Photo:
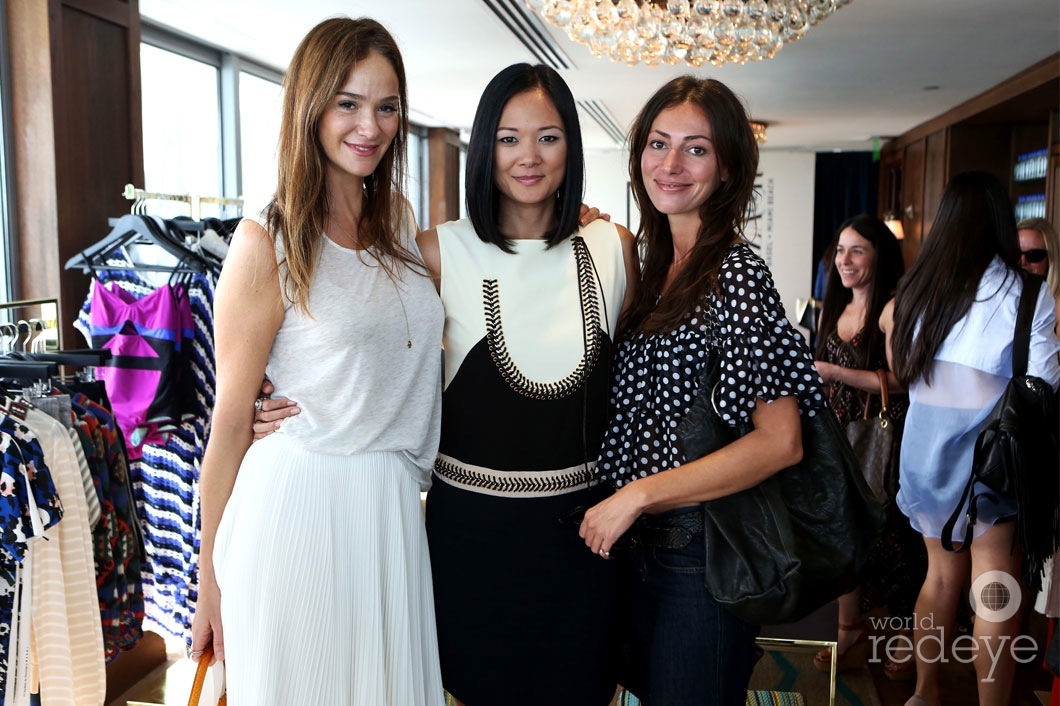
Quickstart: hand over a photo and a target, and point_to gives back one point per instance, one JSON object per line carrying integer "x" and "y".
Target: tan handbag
{"x": 200, "y": 678}
{"x": 874, "y": 440}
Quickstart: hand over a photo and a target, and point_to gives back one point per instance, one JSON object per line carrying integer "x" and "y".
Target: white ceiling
{"x": 860, "y": 74}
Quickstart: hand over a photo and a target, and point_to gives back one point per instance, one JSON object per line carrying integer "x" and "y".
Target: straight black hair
{"x": 975, "y": 224}
{"x": 483, "y": 201}
{"x": 886, "y": 271}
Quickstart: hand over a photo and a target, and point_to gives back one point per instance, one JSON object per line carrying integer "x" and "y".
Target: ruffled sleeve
{"x": 761, "y": 353}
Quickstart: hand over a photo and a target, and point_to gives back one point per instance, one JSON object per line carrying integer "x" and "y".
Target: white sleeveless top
{"x": 348, "y": 364}
{"x": 532, "y": 285}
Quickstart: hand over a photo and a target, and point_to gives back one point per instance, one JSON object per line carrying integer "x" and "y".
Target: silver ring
{"x": 257, "y": 404}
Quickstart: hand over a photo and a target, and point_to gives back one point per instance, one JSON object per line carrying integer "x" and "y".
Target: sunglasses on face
{"x": 1035, "y": 255}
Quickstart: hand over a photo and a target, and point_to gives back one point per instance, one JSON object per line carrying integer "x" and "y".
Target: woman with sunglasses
{"x": 1039, "y": 248}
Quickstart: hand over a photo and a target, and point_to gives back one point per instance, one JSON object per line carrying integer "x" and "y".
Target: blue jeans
{"x": 686, "y": 650}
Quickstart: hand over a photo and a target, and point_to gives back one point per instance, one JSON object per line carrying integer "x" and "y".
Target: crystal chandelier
{"x": 651, "y": 32}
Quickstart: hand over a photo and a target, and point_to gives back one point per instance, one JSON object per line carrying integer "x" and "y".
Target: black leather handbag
{"x": 1017, "y": 454}
{"x": 796, "y": 541}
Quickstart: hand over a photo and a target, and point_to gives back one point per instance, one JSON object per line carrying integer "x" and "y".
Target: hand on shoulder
{"x": 427, "y": 242}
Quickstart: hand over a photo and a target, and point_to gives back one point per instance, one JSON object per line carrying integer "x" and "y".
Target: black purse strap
{"x": 1021, "y": 339}
{"x": 1021, "y": 344}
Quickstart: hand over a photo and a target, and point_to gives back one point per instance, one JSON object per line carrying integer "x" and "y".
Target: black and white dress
{"x": 523, "y": 607}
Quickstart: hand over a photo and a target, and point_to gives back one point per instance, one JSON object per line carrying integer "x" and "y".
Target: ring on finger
{"x": 257, "y": 404}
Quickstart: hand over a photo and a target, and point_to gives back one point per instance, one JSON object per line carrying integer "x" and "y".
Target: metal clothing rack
{"x": 39, "y": 323}
{"x": 194, "y": 201}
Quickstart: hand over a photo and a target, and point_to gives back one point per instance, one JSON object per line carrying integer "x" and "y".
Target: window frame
{"x": 8, "y": 224}
{"x": 229, "y": 65}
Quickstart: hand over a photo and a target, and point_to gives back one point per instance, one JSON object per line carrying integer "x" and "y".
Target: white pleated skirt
{"x": 325, "y": 581}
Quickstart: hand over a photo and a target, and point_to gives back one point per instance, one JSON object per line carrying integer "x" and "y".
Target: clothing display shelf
{"x": 194, "y": 201}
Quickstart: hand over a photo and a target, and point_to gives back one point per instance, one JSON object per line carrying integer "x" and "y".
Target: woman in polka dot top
{"x": 693, "y": 161}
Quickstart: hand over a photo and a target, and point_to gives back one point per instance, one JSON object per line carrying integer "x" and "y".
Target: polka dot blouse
{"x": 656, "y": 377}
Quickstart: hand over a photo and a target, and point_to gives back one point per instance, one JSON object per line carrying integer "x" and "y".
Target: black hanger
{"x": 81, "y": 357}
{"x": 132, "y": 229}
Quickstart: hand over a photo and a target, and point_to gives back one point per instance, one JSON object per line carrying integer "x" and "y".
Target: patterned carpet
{"x": 785, "y": 676}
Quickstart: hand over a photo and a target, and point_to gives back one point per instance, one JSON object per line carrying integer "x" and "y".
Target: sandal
{"x": 854, "y": 656}
{"x": 900, "y": 671}
{"x": 916, "y": 700}
{"x": 896, "y": 668}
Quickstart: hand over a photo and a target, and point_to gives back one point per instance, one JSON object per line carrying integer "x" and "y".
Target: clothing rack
{"x": 43, "y": 328}
{"x": 194, "y": 201}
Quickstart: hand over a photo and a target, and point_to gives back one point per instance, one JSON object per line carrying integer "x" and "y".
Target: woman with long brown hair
{"x": 703, "y": 292}
{"x": 315, "y": 583}
{"x": 867, "y": 264}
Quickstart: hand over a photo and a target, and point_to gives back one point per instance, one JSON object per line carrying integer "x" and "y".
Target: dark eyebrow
{"x": 540, "y": 129}
{"x": 690, "y": 137}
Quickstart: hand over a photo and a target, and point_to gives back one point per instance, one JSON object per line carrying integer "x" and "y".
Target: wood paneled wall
{"x": 985, "y": 133}
{"x": 443, "y": 154}
{"x": 77, "y": 134}
{"x": 77, "y": 121}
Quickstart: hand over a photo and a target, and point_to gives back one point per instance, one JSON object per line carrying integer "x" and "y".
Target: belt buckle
{"x": 680, "y": 537}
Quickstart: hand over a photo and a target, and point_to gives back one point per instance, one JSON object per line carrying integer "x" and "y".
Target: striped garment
{"x": 67, "y": 656}
{"x": 166, "y": 477}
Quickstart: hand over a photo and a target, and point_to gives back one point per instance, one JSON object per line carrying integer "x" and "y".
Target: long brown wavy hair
{"x": 722, "y": 216}
{"x": 300, "y": 207}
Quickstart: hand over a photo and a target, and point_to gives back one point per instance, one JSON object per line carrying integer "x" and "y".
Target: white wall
{"x": 606, "y": 176}
{"x": 782, "y": 235}
{"x": 784, "y": 232}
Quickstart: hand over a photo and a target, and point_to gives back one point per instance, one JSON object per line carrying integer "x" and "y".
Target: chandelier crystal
{"x": 653, "y": 32}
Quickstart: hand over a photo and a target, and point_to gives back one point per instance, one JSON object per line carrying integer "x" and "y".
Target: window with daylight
{"x": 181, "y": 126}
{"x": 259, "y": 133}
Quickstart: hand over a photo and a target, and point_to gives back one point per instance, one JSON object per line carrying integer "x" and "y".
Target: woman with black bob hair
{"x": 950, "y": 344}
{"x": 525, "y": 614}
{"x": 483, "y": 201}
{"x": 704, "y": 296}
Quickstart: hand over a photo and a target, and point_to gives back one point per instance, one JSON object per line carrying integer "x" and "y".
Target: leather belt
{"x": 668, "y": 531}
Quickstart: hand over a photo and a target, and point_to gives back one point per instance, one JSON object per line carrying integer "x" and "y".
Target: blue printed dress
{"x": 29, "y": 505}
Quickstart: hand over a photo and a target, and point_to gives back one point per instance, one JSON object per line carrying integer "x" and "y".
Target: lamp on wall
{"x": 894, "y": 222}
{"x": 759, "y": 129}
{"x": 892, "y": 217}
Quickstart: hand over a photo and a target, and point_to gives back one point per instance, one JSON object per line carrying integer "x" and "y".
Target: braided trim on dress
{"x": 593, "y": 334}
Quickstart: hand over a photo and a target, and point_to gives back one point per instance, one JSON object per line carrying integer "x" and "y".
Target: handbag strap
{"x": 885, "y": 399}
{"x": 1021, "y": 339}
{"x": 973, "y": 514}
{"x": 200, "y": 675}
{"x": 1021, "y": 343}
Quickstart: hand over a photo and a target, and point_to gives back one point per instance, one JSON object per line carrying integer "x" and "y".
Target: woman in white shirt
{"x": 950, "y": 343}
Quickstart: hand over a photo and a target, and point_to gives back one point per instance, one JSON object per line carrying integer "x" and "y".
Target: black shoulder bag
{"x": 1016, "y": 454}
{"x": 796, "y": 541}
